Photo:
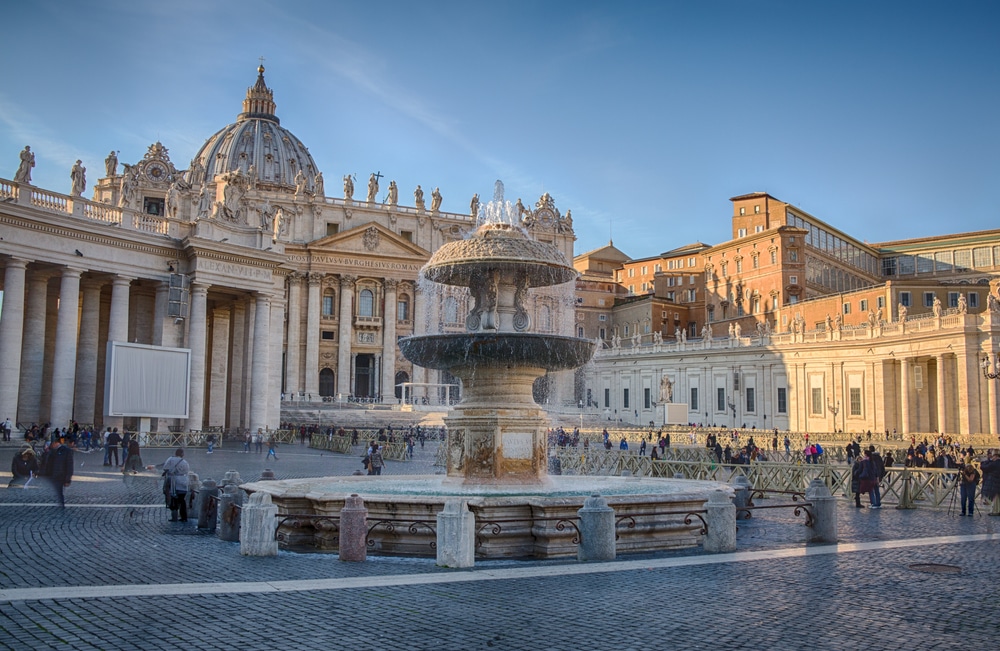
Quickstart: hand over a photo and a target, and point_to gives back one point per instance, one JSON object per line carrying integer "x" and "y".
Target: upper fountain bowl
{"x": 501, "y": 247}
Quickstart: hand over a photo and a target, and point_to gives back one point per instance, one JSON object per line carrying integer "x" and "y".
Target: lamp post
{"x": 834, "y": 409}
{"x": 985, "y": 364}
{"x": 732, "y": 408}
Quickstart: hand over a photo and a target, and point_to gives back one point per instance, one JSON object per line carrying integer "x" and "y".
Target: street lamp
{"x": 985, "y": 364}
{"x": 834, "y": 409}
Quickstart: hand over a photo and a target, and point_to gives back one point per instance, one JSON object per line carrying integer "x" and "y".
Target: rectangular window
{"x": 782, "y": 400}
{"x": 326, "y": 335}
{"x": 604, "y": 333}
{"x": 855, "y": 401}
{"x": 774, "y": 257}
{"x": 963, "y": 260}
{"x": 981, "y": 257}
{"x": 973, "y": 299}
{"x": 904, "y": 299}
{"x": 928, "y": 299}
{"x": 756, "y": 262}
{"x": 693, "y": 402}
{"x": 720, "y": 399}
{"x": 646, "y": 398}
{"x": 847, "y": 308}
{"x": 658, "y": 268}
{"x": 880, "y": 301}
{"x": 793, "y": 280}
{"x": 644, "y": 267}
{"x": 670, "y": 296}
{"x": 690, "y": 262}
{"x": 751, "y": 403}
{"x": 756, "y": 209}
{"x": 759, "y": 229}
{"x": 631, "y": 272}
{"x": 711, "y": 314}
{"x": 579, "y": 332}
{"x": 739, "y": 266}
{"x": 863, "y": 305}
{"x": 742, "y": 232}
{"x": 406, "y": 235}
{"x": 607, "y": 398}
{"x": 953, "y": 299}
{"x": 625, "y": 398}
{"x": 692, "y": 296}
{"x": 602, "y": 317}
{"x": 332, "y": 229}
{"x": 817, "y": 402}
{"x": 327, "y": 305}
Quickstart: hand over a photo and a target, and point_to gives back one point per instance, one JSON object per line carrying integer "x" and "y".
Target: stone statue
{"x": 871, "y": 318}
{"x": 418, "y": 198}
{"x": 474, "y": 206}
{"x": 78, "y": 175}
{"x": 732, "y": 331}
{"x": 936, "y": 307}
{"x": 760, "y": 328}
{"x": 372, "y": 188}
{"x": 902, "y": 312}
{"x": 126, "y": 189}
{"x": 568, "y": 219}
{"x": 520, "y": 209}
{"x": 348, "y": 187}
{"x": 838, "y": 322}
{"x": 657, "y": 337}
{"x": 684, "y": 336}
{"x": 204, "y": 203}
{"x": 393, "y": 198}
{"x": 666, "y": 390}
{"x": 300, "y": 183}
{"x": 991, "y": 303}
{"x": 737, "y": 330}
{"x": 878, "y": 316}
{"x": 173, "y": 199}
{"x": 111, "y": 164}
{"x": 23, "y": 174}
{"x": 963, "y": 304}
{"x": 435, "y": 200}
{"x": 318, "y": 188}
{"x": 829, "y": 323}
{"x": 196, "y": 171}
{"x": 636, "y": 340}
{"x": 706, "y": 331}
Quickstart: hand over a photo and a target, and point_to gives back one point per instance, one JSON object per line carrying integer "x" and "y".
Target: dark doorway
{"x": 364, "y": 376}
{"x": 327, "y": 383}
{"x": 401, "y": 376}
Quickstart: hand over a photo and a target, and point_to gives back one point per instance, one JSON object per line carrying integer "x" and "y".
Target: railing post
{"x": 206, "y": 504}
{"x": 230, "y": 504}
{"x": 353, "y": 530}
{"x": 906, "y": 492}
{"x": 456, "y": 535}
{"x": 257, "y": 530}
{"x": 741, "y": 496}
{"x": 824, "y": 510}
{"x": 597, "y": 530}
{"x": 720, "y": 522}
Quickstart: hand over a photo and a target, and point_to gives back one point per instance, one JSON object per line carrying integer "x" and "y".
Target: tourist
{"x": 272, "y": 444}
{"x": 111, "y": 444}
{"x": 869, "y": 481}
{"x": 175, "y": 484}
{"x": 133, "y": 460}
{"x": 210, "y": 439}
{"x": 258, "y": 440}
{"x": 788, "y": 445}
{"x": 247, "y": 440}
{"x": 23, "y": 467}
{"x": 967, "y": 487}
{"x": 856, "y": 482}
{"x": 58, "y": 467}
{"x": 879, "y": 468}
{"x": 375, "y": 460}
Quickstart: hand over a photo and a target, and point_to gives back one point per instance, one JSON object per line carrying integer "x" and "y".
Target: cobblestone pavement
{"x": 151, "y": 584}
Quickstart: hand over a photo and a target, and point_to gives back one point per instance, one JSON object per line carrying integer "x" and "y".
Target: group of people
{"x": 55, "y": 466}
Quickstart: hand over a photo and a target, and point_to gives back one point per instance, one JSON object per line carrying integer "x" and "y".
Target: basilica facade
{"x": 281, "y": 292}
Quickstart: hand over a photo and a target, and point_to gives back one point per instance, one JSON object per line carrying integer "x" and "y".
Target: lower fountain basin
{"x": 448, "y": 351}
{"x": 512, "y": 521}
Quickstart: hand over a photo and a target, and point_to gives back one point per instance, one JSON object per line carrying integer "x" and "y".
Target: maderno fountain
{"x": 497, "y": 454}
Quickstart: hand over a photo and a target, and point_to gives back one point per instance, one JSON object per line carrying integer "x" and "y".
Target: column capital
{"x": 390, "y": 283}
{"x": 315, "y": 278}
{"x": 347, "y": 281}
{"x": 199, "y": 288}
{"x": 14, "y": 262}
{"x": 73, "y": 271}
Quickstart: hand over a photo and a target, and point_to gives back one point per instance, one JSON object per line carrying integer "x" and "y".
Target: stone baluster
{"x": 597, "y": 530}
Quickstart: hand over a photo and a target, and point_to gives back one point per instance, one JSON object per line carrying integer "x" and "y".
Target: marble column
{"x": 29, "y": 397}
{"x": 236, "y": 363}
{"x": 160, "y": 304}
{"x": 993, "y": 410}
{"x": 389, "y": 342}
{"x": 11, "y": 331}
{"x": 86, "y": 359}
{"x": 904, "y": 388}
{"x": 275, "y": 341}
{"x": 121, "y": 288}
{"x": 419, "y": 328}
{"x": 64, "y": 360}
{"x": 346, "y": 317}
{"x": 218, "y": 373}
{"x": 312, "y": 335}
{"x": 293, "y": 341}
{"x": 196, "y": 342}
{"x": 942, "y": 403}
{"x": 261, "y": 362}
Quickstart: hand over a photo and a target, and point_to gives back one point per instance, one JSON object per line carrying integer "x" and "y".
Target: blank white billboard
{"x": 147, "y": 381}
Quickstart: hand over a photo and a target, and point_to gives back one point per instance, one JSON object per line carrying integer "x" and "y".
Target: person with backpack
{"x": 375, "y": 461}
{"x": 175, "y": 484}
{"x": 967, "y": 487}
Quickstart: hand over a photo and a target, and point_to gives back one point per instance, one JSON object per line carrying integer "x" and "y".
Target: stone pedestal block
{"x": 257, "y": 527}
{"x": 230, "y": 504}
{"x": 824, "y": 506}
{"x": 194, "y": 486}
{"x": 741, "y": 496}
{"x": 456, "y": 535}
{"x": 231, "y": 478}
{"x": 267, "y": 475}
{"x": 597, "y": 530}
{"x": 207, "y": 506}
{"x": 721, "y": 521}
{"x": 353, "y": 529}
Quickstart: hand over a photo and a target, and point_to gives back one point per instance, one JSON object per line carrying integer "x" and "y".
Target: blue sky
{"x": 643, "y": 118}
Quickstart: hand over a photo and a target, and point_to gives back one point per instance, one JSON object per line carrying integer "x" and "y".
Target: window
{"x": 631, "y": 272}
{"x": 406, "y": 235}
{"x": 332, "y": 229}
{"x": 693, "y": 402}
{"x": 670, "y": 296}
{"x": 756, "y": 209}
{"x": 646, "y": 398}
{"x": 631, "y": 289}
{"x": 758, "y": 229}
{"x": 403, "y": 308}
{"x": 793, "y": 280}
{"x": 742, "y": 232}
{"x": 880, "y": 301}
{"x": 817, "y": 402}
{"x": 863, "y": 305}
{"x": 847, "y": 308}
{"x": 690, "y": 280}
{"x": 855, "y": 395}
{"x": 928, "y": 299}
{"x": 981, "y": 257}
{"x": 607, "y": 398}
{"x": 600, "y": 302}
{"x": 658, "y": 268}
{"x": 692, "y": 296}
{"x": 671, "y": 281}
{"x": 953, "y": 299}
{"x": 720, "y": 399}
{"x": 326, "y": 335}
{"x": 328, "y": 301}
{"x": 366, "y": 303}
{"x": 603, "y": 333}
{"x": 782, "y": 400}
{"x": 774, "y": 256}
{"x": 756, "y": 262}
{"x": 579, "y": 332}
{"x": 602, "y": 317}
{"x": 751, "y": 403}
{"x": 690, "y": 262}
{"x": 627, "y": 330}
{"x": 973, "y": 299}
{"x": 644, "y": 270}
{"x": 725, "y": 269}
{"x": 904, "y": 299}
{"x": 711, "y": 314}
{"x": 625, "y": 398}
{"x": 743, "y": 211}
{"x": 739, "y": 266}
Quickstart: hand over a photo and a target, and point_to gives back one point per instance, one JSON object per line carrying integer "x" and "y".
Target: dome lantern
{"x": 259, "y": 102}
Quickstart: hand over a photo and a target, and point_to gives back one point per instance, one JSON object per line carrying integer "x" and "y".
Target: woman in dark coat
{"x": 991, "y": 476}
{"x": 22, "y": 467}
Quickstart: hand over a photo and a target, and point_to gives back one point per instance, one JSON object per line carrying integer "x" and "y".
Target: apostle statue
{"x": 111, "y": 164}
{"x": 393, "y": 197}
{"x": 474, "y": 206}
{"x": 348, "y": 187}
{"x": 23, "y": 174}
{"x": 418, "y": 198}
{"x": 318, "y": 188}
{"x": 436, "y": 200}
{"x": 78, "y": 175}
{"x": 372, "y": 188}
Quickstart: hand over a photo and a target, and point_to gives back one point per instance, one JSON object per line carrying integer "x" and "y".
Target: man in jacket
{"x": 59, "y": 468}
{"x": 175, "y": 484}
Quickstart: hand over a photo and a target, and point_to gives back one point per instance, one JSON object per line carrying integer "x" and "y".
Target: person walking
{"x": 869, "y": 481}
{"x": 375, "y": 461}
{"x": 58, "y": 467}
{"x": 175, "y": 484}
{"x": 133, "y": 460}
{"x": 111, "y": 444}
{"x": 969, "y": 480}
{"x": 258, "y": 441}
{"x": 271, "y": 446}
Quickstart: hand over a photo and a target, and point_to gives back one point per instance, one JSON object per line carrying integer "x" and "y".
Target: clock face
{"x": 156, "y": 171}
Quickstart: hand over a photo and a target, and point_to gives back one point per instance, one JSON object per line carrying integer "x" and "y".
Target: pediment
{"x": 369, "y": 239}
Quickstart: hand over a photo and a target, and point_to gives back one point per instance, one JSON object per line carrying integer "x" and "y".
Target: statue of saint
{"x": 418, "y": 198}
{"x": 393, "y": 197}
{"x": 23, "y": 174}
{"x": 474, "y": 206}
{"x": 902, "y": 312}
{"x": 300, "y": 183}
{"x": 829, "y": 323}
{"x": 111, "y": 164}
{"x": 372, "y": 188}
{"x": 204, "y": 202}
{"x": 435, "y": 200}
{"x": 348, "y": 187}
{"x": 963, "y": 304}
{"x": 706, "y": 331}
{"x": 318, "y": 188}
{"x": 666, "y": 390}
{"x": 78, "y": 175}
{"x": 173, "y": 199}
{"x": 737, "y": 330}
{"x": 936, "y": 306}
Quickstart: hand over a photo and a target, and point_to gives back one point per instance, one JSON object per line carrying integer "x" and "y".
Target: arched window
{"x": 366, "y": 303}
{"x": 329, "y": 300}
{"x": 451, "y": 310}
{"x": 403, "y": 308}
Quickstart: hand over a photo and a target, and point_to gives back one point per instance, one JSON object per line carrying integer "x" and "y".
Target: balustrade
{"x": 8, "y": 191}
{"x": 102, "y": 213}
{"x": 49, "y": 200}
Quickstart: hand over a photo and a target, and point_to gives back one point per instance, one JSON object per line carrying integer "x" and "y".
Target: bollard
{"x": 720, "y": 522}
{"x": 267, "y": 475}
{"x": 229, "y": 513}
{"x": 232, "y": 477}
{"x": 906, "y": 494}
{"x": 194, "y": 486}
{"x": 257, "y": 527}
{"x": 597, "y": 530}
{"x": 456, "y": 535}
{"x": 741, "y": 496}
{"x": 353, "y": 530}
{"x": 824, "y": 509}
{"x": 207, "y": 506}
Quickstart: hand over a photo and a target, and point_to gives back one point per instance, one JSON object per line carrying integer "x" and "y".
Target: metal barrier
{"x": 799, "y": 507}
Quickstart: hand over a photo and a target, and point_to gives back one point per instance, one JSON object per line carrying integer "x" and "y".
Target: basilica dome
{"x": 258, "y": 141}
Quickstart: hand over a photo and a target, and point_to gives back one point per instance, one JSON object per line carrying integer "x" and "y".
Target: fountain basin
{"x": 480, "y": 350}
{"x": 512, "y": 521}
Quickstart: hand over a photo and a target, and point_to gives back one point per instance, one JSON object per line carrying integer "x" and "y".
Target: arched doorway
{"x": 327, "y": 383}
{"x": 401, "y": 377}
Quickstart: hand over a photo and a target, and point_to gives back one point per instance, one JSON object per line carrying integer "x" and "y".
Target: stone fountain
{"x": 497, "y": 448}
